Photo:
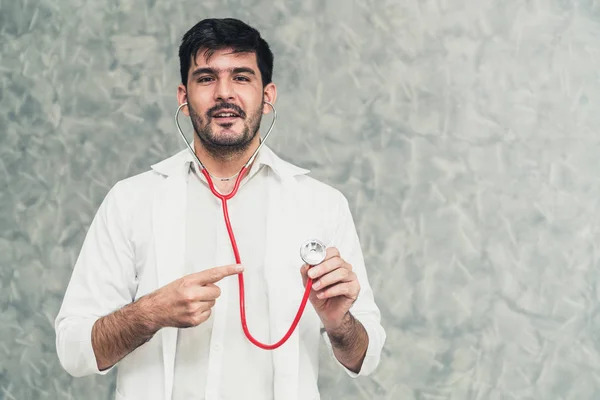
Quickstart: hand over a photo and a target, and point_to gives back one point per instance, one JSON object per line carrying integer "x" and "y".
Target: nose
{"x": 224, "y": 90}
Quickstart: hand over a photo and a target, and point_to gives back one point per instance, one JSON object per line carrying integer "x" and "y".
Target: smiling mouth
{"x": 225, "y": 115}
{"x": 226, "y": 119}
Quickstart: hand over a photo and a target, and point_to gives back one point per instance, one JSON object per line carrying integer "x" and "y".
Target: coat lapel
{"x": 168, "y": 213}
{"x": 284, "y": 284}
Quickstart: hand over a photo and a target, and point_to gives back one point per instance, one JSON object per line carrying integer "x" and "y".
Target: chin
{"x": 228, "y": 133}
{"x": 228, "y": 137}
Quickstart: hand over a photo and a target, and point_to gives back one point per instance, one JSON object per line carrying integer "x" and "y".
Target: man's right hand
{"x": 188, "y": 301}
{"x": 182, "y": 303}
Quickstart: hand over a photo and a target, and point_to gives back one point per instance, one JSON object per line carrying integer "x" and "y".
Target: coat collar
{"x": 266, "y": 156}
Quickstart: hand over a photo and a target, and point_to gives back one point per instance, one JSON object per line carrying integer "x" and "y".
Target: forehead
{"x": 224, "y": 58}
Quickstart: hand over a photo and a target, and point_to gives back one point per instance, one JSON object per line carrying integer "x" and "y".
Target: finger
{"x": 326, "y": 267}
{"x": 205, "y": 305}
{"x": 304, "y": 270}
{"x": 336, "y": 276}
{"x": 200, "y": 307}
{"x": 346, "y": 289}
{"x": 210, "y": 291}
{"x": 191, "y": 293}
{"x": 331, "y": 252}
{"x": 214, "y": 275}
{"x": 206, "y": 292}
{"x": 201, "y": 317}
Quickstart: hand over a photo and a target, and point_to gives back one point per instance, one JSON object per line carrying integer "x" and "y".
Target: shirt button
{"x": 217, "y": 347}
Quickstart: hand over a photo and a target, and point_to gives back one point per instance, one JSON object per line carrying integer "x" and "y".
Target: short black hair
{"x": 215, "y": 34}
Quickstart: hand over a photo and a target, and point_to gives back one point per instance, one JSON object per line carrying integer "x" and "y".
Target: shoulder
{"x": 130, "y": 196}
{"x": 319, "y": 197}
{"x": 138, "y": 184}
{"x": 306, "y": 188}
{"x": 141, "y": 183}
{"x": 140, "y": 188}
{"x": 316, "y": 188}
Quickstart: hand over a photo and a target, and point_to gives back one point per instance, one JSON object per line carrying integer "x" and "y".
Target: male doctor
{"x": 154, "y": 289}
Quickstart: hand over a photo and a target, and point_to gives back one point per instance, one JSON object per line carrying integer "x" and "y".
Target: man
{"x": 154, "y": 290}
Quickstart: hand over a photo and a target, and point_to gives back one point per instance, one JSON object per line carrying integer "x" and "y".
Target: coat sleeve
{"x": 103, "y": 281}
{"x": 364, "y": 309}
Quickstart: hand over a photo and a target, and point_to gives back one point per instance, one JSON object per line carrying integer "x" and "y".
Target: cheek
{"x": 250, "y": 98}
{"x": 200, "y": 100}
{"x": 199, "y": 110}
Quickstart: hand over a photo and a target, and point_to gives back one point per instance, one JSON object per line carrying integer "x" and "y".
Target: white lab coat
{"x": 136, "y": 244}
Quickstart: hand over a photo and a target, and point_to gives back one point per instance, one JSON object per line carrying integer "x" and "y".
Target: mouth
{"x": 226, "y": 116}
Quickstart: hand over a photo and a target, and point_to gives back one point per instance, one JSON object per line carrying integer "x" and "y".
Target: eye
{"x": 242, "y": 78}
{"x": 205, "y": 79}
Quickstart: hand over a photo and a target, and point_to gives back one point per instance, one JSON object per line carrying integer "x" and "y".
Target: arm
{"x": 103, "y": 280}
{"x": 183, "y": 303}
{"x": 343, "y": 299}
{"x": 335, "y": 289}
{"x": 349, "y": 343}
{"x": 98, "y": 323}
{"x": 118, "y": 334}
{"x": 364, "y": 310}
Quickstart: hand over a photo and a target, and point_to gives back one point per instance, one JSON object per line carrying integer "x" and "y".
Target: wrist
{"x": 339, "y": 327}
{"x": 147, "y": 307}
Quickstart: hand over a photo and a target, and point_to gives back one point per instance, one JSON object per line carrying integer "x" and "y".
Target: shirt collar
{"x": 266, "y": 156}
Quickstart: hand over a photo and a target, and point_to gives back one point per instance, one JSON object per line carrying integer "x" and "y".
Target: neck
{"x": 224, "y": 165}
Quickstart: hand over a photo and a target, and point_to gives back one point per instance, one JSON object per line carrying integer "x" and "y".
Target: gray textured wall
{"x": 464, "y": 133}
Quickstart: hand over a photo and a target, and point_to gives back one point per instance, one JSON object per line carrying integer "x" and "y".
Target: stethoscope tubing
{"x": 224, "y": 198}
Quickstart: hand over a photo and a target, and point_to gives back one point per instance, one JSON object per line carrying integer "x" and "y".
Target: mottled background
{"x": 463, "y": 132}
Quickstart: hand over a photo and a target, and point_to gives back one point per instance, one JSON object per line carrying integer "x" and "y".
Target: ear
{"x": 182, "y": 98}
{"x": 270, "y": 92}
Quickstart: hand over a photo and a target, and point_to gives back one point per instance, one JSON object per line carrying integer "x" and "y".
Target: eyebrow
{"x": 215, "y": 71}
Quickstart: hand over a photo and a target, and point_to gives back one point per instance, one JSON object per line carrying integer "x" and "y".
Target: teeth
{"x": 226, "y": 115}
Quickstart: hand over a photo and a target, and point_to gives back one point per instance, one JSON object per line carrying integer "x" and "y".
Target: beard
{"x": 221, "y": 144}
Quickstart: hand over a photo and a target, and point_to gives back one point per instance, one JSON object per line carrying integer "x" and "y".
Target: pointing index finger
{"x": 214, "y": 275}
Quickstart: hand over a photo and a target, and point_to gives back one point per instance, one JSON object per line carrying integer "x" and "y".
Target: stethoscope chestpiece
{"x": 313, "y": 252}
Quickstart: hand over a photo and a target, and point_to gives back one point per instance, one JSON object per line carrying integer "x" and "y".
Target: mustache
{"x": 225, "y": 106}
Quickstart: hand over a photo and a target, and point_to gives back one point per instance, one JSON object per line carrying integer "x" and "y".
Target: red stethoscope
{"x": 312, "y": 251}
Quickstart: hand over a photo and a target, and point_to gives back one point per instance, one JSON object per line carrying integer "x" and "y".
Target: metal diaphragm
{"x": 313, "y": 252}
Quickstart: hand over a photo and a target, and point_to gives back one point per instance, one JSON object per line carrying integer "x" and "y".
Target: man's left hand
{"x": 335, "y": 288}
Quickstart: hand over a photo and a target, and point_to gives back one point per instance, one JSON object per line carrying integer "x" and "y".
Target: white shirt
{"x": 136, "y": 244}
{"x": 226, "y": 374}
